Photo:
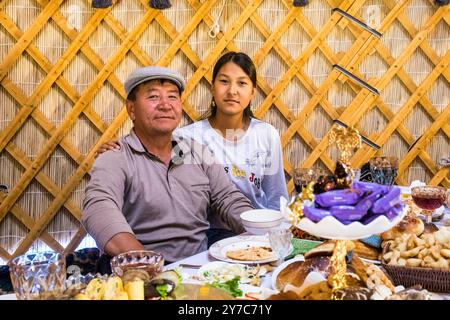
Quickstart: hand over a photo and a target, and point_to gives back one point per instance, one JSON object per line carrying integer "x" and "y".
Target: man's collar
{"x": 179, "y": 146}
{"x": 134, "y": 142}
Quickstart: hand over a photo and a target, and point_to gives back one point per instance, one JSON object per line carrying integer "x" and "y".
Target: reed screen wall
{"x": 62, "y": 65}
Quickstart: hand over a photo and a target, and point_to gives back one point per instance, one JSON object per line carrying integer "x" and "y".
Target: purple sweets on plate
{"x": 347, "y": 213}
{"x": 338, "y": 197}
{"x": 367, "y": 202}
{"x": 315, "y": 214}
{"x": 388, "y": 201}
{"x": 371, "y": 187}
{"x": 369, "y": 217}
{"x": 394, "y": 211}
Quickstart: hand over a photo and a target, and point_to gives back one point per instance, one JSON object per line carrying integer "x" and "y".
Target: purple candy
{"x": 347, "y": 213}
{"x": 367, "y": 202}
{"x": 368, "y": 218}
{"x": 388, "y": 201}
{"x": 338, "y": 197}
{"x": 394, "y": 211}
{"x": 315, "y": 214}
{"x": 371, "y": 187}
{"x": 346, "y": 222}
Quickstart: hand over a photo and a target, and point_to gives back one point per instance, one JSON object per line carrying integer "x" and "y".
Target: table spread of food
{"x": 337, "y": 238}
{"x": 406, "y": 258}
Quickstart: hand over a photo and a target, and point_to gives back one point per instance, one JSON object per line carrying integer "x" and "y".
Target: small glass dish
{"x": 150, "y": 261}
{"x": 38, "y": 276}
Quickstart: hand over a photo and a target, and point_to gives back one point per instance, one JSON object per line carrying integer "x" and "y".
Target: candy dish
{"x": 331, "y": 228}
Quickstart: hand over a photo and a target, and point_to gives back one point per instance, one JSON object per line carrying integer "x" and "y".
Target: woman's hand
{"x": 110, "y": 145}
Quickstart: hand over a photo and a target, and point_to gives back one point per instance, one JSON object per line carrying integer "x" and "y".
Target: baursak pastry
{"x": 409, "y": 225}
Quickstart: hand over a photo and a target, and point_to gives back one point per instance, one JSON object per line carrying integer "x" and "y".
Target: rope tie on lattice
{"x": 215, "y": 28}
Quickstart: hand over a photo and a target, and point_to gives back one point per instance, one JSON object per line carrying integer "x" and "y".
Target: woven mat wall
{"x": 62, "y": 64}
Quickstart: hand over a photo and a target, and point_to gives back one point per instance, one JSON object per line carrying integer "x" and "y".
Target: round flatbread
{"x": 251, "y": 254}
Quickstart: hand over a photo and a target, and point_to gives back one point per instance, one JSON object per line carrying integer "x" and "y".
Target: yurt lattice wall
{"x": 62, "y": 65}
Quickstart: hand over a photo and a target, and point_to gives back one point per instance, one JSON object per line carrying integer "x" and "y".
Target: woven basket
{"x": 436, "y": 280}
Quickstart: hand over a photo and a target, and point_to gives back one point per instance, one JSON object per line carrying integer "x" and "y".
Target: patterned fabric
{"x": 5, "y": 281}
{"x": 82, "y": 261}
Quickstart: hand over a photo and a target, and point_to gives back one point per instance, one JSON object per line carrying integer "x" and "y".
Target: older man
{"x": 156, "y": 191}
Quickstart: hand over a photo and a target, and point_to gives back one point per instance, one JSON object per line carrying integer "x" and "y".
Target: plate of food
{"x": 225, "y": 275}
{"x": 219, "y": 271}
{"x": 331, "y": 228}
{"x": 244, "y": 249}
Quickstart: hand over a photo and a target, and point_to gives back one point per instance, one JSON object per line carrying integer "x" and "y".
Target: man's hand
{"x": 110, "y": 145}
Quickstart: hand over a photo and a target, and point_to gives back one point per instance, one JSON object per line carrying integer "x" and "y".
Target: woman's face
{"x": 232, "y": 90}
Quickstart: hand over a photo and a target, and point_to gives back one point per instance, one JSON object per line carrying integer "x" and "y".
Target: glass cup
{"x": 303, "y": 176}
{"x": 384, "y": 170}
{"x": 356, "y": 174}
{"x": 280, "y": 241}
{"x": 38, "y": 276}
{"x": 150, "y": 261}
{"x": 429, "y": 198}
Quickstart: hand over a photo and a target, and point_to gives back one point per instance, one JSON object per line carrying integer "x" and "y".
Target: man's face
{"x": 157, "y": 108}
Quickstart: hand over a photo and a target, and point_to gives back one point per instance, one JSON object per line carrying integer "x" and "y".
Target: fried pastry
{"x": 408, "y": 225}
{"x": 251, "y": 254}
{"x": 365, "y": 251}
{"x": 370, "y": 273}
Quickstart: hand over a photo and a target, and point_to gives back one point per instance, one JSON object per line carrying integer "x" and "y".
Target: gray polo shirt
{"x": 166, "y": 208}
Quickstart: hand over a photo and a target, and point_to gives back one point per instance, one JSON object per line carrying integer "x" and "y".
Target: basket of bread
{"x": 413, "y": 257}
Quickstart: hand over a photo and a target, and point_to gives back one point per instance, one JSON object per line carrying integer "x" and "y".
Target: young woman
{"x": 249, "y": 149}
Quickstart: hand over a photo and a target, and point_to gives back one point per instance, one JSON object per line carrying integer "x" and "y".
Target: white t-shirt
{"x": 254, "y": 163}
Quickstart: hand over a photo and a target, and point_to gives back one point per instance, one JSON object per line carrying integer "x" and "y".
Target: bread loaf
{"x": 409, "y": 225}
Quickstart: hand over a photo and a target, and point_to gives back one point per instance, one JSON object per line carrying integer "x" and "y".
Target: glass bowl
{"x": 150, "y": 261}
{"x": 38, "y": 276}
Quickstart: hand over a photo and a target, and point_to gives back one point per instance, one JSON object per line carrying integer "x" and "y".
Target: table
{"x": 190, "y": 265}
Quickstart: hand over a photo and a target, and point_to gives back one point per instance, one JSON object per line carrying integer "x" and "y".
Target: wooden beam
{"x": 27, "y": 38}
{"x": 28, "y": 222}
{"x": 354, "y": 111}
{"x": 47, "y": 82}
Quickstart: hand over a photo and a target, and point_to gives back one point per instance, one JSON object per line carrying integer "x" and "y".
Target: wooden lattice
{"x": 59, "y": 104}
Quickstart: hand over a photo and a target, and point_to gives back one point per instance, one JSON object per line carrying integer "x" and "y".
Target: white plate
{"x": 219, "y": 249}
{"x": 245, "y": 287}
{"x": 10, "y": 296}
{"x": 227, "y": 271}
{"x": 331, "y": 228}
{"x": 282, "y": 266}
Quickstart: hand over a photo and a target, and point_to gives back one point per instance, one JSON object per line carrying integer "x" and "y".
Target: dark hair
{"x": 132, "y": 95}
{"x": 246, "y": 64}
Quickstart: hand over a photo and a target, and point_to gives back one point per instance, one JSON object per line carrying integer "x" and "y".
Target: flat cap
{"x": 144, "y": 74}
